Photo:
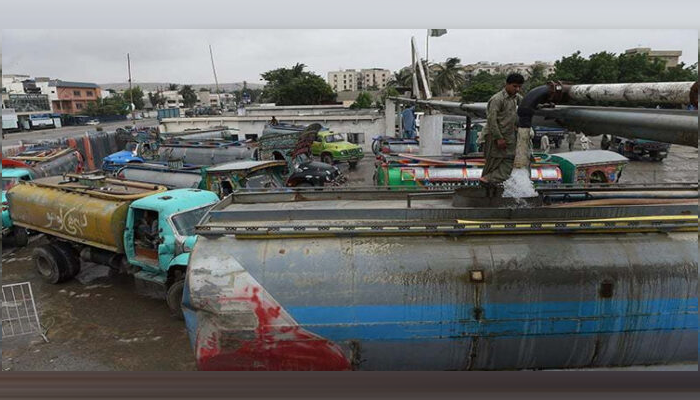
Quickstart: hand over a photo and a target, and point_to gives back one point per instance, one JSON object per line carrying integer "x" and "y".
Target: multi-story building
{"x": 73, "y": 97}
{"x": 364, "y": 79}
{"x": 373, "y": 78}
{"x": 670, "y": 57}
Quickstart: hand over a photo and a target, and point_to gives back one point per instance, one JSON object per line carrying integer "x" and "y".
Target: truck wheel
{"x": 21, "y": 236}
{"x": 174, "y": 298}
{"x": 327, "y": 158}
{"x": 49, "y": 264}
{"x": 353, "y": 164}
{"x": 70, "y": 258}
{"x": 557, "y": 144}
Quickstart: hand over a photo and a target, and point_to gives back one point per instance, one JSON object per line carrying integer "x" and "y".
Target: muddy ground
{"x": 102, "y": 324}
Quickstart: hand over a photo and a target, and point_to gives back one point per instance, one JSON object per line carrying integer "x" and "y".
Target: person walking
{"x": 571, "y": 138}
{"x": 501, "y": 131}
{"x": 585, "y": 142}
{"x": 544, "y": 144}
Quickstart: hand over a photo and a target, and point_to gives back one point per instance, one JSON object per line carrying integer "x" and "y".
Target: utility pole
{"x": 216, "y": 81}
{"x": 131, "y": 93}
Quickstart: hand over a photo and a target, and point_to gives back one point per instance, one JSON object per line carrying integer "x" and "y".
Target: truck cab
{"x": 332, "y": 147}
{"x": 10, "y": 178}
{"x": 159, "y": 234}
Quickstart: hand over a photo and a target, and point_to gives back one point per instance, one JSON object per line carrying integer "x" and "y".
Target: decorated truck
{"x": 132, "y": 227}
{"x": 292, "y": 144}
{"x": 635, "y": 148}
{"x": 592, "y": 166}
{"x": 409, "y": 171}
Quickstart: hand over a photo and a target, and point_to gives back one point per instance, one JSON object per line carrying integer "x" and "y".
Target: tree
{"x": 189, "y": 97}
{"x": 113, "y": 105}
{"x": 536, "y": 77}
{"x": 157, "y": 99}
{"x": 137, "y": 97}
{"x": 447, "y": 78}
{"x": 402, "y": 78}
{"x": 173, "y": 86}
{"x": 294, "y": 86}
{"x": 363, "y": 100}
{"x": 482, "y": 86}
{"x": 681, "y": 73}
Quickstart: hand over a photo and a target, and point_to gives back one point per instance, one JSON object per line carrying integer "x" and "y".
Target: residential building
{"x": 670, "y": 57}
{"x": 73, "y": 97}
{"x": 373, "y": 78}
{"x": 363, "y": 79}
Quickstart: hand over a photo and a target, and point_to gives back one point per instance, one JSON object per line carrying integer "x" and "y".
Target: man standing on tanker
{"x": 502, "y": 126}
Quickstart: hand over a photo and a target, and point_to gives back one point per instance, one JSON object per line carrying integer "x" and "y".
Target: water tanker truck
{"x": 135, "y": 228}
{"x": 337, "y": 279}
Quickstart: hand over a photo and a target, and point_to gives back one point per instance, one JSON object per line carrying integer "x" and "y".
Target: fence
{"x": 19, "y": 316}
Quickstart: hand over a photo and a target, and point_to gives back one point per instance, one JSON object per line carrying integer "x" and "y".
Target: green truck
{"x": 329, "y": 146}
{"x": 135, "y": 228}
{"x": 332, "y": 147}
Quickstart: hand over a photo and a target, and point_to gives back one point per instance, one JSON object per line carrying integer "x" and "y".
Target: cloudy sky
{"x": 182, "y": 56}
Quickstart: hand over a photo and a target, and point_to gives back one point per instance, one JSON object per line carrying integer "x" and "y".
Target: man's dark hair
{"x": 515, "y": 78}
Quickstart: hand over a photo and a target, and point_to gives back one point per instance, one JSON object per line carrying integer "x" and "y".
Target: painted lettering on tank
{"x": 66, "y": 221}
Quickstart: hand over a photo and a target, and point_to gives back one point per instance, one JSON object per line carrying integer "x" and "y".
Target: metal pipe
{"x": 653, "y": 92}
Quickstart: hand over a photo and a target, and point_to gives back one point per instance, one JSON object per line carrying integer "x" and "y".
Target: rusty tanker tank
{"x": 78, "y": 211}
{"x": 424, "y": 280}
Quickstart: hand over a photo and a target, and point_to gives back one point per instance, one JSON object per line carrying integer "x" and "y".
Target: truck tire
{"x": 327, "y": 158}
{"x": 174, "y": 298}
{"x": 49, "y": 263}
{"x": 353, "y": 164}
{"x": 557, "y": 143}
{"x": 21, "y": 236}
{"x": 70, "y": 258}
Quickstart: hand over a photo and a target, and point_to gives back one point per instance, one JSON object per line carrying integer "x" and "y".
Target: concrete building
{"x": 73, "y": 97}
{"x": 373, "y": 78}
{"x": 670, "y": 57}
{"x": 354, "y": 80}
{"x": 173, "y": 99}
{"x": 13, "y": 83}
{"x": 343, "y": 80}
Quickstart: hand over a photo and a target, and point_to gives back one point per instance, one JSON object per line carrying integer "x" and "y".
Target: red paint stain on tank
{"x": 277, "y": 345}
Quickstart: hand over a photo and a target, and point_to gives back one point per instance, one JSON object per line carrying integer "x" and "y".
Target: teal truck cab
{"x": 10, "y": 178}
{"x": 135, "y": 228}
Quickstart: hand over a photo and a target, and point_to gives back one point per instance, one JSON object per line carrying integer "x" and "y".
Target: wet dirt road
{"x": 106, "y": 325}
{"x": 99, "y": 325}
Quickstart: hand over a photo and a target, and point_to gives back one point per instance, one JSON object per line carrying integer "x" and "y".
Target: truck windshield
{"x": 7, "y": 183}
{"x": 334, "y": 138}
{"x": 185, "y": 222}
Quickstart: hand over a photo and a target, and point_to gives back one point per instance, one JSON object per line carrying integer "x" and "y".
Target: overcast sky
{"x": 182, "y": 56}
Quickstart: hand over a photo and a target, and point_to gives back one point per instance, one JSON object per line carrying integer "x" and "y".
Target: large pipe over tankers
{"x": 663, "y": 125}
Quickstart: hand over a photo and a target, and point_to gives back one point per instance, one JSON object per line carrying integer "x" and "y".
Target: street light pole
{"x": 131, "y": 92}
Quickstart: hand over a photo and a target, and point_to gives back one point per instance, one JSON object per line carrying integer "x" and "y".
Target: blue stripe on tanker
{"x": 402, "y": 322}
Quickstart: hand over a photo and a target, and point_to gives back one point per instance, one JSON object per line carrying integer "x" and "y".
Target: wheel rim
{"x": 44, "y": 266}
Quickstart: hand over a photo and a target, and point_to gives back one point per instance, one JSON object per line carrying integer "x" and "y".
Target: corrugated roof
{"x": 59, "y": 83}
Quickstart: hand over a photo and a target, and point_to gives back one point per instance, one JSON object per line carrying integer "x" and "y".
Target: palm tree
{"x": 401, "y": 78}
{"x": 448, "y": 77}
